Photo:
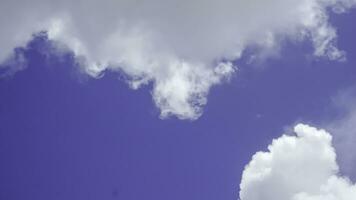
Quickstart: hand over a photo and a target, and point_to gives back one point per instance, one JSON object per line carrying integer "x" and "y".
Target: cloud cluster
{"x": 301, "y": 167}
{"x": 182, "y": 47}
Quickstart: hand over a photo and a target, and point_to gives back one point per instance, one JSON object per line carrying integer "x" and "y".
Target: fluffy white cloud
{"x": 301, "y": 167}
{"x": 178, "y": 45}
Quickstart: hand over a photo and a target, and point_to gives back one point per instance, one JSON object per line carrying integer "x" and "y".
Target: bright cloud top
{"x": 301, "y": 167}
{"x": 183, "y": 47}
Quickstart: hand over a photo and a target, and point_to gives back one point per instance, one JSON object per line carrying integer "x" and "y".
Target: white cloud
{"x": 301, "y": 167}
{"x": 176, "y": 44}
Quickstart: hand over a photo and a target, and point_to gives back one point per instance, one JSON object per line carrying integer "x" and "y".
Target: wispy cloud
{"x": 344, "y": 128}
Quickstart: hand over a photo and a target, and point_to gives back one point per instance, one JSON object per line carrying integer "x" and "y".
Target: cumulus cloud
{"x": 182, "y": 47}
{"x": 300, "y": 167}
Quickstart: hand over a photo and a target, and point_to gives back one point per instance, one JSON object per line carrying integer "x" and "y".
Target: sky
{"x": 104, "y": 100}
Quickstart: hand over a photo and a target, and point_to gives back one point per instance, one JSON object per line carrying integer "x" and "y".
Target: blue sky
{"x": 67, "y": 134}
